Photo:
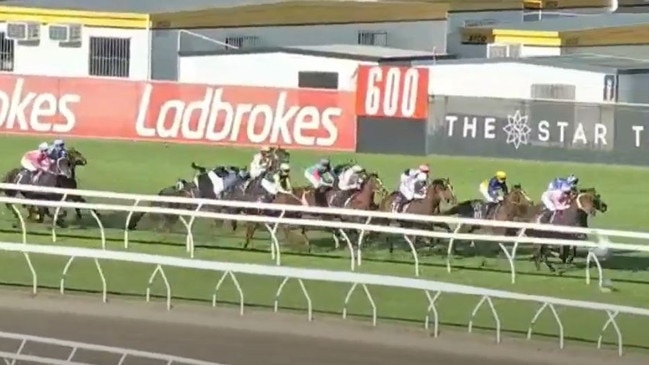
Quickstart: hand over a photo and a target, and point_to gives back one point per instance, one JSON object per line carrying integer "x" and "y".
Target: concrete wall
{"x": 264, "y": 69}
{"x": 510, "y": 80}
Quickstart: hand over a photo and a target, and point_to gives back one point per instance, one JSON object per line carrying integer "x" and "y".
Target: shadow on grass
{"x": 618, "y": 261}
{"x": 358, "y": 316}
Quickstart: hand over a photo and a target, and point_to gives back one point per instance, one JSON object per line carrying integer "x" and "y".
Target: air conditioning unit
{"x": 496, "y": 50}
{"x": 65, "y": 33}
{"x": 23, "y": 31}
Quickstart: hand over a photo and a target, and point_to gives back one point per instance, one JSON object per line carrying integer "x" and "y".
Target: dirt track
{"x": 221, "y": 335}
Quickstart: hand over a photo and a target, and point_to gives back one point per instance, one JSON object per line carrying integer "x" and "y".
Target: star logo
{"x": 518, "y": 132}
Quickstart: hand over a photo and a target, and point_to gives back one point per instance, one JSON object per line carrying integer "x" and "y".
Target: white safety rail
{"x": 432, "y": 290}
{"x": 372, "y": 222}
{"x": 23, "y": 341}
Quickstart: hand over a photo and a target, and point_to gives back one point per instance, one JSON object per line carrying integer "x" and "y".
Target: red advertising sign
{"x": 391, "y": 91}
{"x": 173, "y": 112}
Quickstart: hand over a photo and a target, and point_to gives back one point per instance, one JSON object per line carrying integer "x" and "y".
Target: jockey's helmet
{"x": 358, "y": 168}
{"x": 421, "y": 177}
{"x": 324, "y": 162}
{"x": 285, "y": 167}
{"x": 572, "y": 179}
{"x": 59, "y": 143}
{"x": 424, "y": 168}
{"x": 501, "y": 175}
{"x": 265, "y": 149}
{"x": 43, "y": 147}
{"x": 566, "y": 188}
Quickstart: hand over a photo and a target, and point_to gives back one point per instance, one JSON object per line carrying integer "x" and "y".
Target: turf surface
{"x": 145, "y": 168}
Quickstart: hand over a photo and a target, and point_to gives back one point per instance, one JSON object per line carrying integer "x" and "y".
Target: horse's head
{"x": 599, "y": 204}
{"x": 443, "y": 189}
{"x": 587, "y": 202}
{"x": 518, "y": 195}
{"x": 373, "y": 182}
{"x": 63, "y": 167}
{"x": 185, "y": 187}
{"x": 76, "y": 157}
{"x": 279, "y": 155}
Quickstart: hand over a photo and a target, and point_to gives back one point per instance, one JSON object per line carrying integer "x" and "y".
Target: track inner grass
{"x": 138, "y": 167}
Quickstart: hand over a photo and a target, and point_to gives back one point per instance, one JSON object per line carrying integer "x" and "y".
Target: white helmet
{"x": 357, "y": 168}
{"x": 285, "y": 166}
{"x": 421, "y": 177}
{"x": 43, "y": 146}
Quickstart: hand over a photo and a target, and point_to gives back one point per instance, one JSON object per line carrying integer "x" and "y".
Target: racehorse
{"x": 567, "y": 254}
{"x": 280, "y": 198}
{"x": 59, "y": 175}
{"x": 515, "y": 204}
{"x": 276, "y": 157}
{"x": 585, "y": 202}
{"x": 76, "y": 158}
{"x": 438, "y": 191}
{"x": 182, "y": 188}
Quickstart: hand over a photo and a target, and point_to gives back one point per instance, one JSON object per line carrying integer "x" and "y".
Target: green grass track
{"x": 137, "y": 167}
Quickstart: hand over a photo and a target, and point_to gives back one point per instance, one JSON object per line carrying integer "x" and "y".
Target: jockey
{"x": 557, "y": 199}
{"x": 349, "y": 181}
{"x": 36, "y": 161}
{"x": 410, "y": 173}
{"x": 410, "y": 189}
{"x": 278, "y": 182}
{"x": 491, "y": 188}
{"x": 320, "y": 175}
{"x": 57, "y": 150}
{"x": 260, "y": 162}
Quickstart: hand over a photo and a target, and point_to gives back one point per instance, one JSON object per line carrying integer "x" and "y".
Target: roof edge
{"x": 87, "y": 18}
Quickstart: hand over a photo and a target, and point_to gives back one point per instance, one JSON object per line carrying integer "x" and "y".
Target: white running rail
{"x": 373, "y": 222}
{"x": 22, "y": 341}
{"x": 432, "y": 289}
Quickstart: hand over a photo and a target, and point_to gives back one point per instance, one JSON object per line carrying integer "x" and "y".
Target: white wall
{"x": 510, "y": 80}
{"x": 264, "y": 69}
{"x": 480, "y": 51}
{"x": 49, "y": 58}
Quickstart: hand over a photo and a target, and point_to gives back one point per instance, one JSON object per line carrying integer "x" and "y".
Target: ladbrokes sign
{"x": 171, "y": 112}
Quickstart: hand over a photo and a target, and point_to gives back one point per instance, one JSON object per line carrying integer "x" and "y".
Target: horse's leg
{"x": 250, "y": 232}
{"x": 545, "y": 252}
{"x": 536, "y": 256}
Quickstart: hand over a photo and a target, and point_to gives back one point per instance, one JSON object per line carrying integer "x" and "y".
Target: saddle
{"x": 548, "y": 216}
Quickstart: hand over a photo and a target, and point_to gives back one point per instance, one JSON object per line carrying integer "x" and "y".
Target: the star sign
{"x": 518, "y": 132}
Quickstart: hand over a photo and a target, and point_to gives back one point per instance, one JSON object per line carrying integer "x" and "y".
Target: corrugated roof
{"x": 363, "y": 50}
{"x": 579, "y": 61}
{"x": 581, "y": 22}
{"x": 133, "y": 6}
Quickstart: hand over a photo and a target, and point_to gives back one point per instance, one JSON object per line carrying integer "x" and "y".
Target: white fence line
{"x": 320, "y": 224}
{"x": 124, "y": 353}
{"x": 431, "y": 289}
{"x": 271, "y": 224}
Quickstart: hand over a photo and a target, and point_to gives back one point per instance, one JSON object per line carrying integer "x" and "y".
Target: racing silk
{"x": 229, "y": 180}
{"x": 258, "y": 165}
{"x": 319, "y": 174}
{"x": 37, "y": 159}
{"x": 54, "y": 153}
{"x": 494, "y": 186}
{"x": 557, "y": 183}
{"x": 349, "y": 180}
{"x": 281, "y": 182}
{"x": 559, "y": 200}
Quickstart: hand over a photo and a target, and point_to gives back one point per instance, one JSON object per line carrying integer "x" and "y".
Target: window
{"x": 6, "y": 53}
{"x": 237, "y": 42}
{"x": 109, "y": 56}
{"x": 371, "y": 38}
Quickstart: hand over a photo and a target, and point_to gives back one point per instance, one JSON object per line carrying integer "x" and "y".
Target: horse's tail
{"x": 200, "y": 169}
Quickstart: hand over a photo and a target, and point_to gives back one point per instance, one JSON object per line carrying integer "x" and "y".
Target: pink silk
{"x": 38, "y": 159}
{"x": 559, "y": 199}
